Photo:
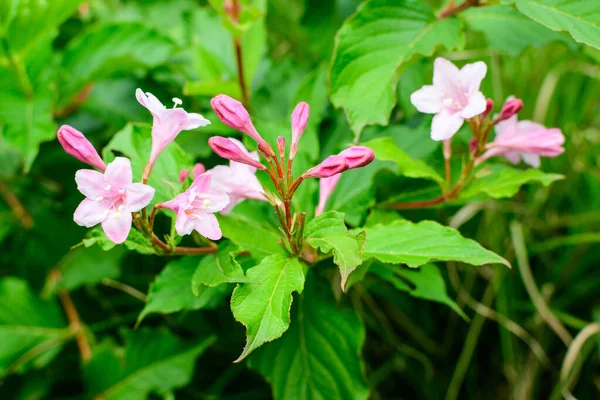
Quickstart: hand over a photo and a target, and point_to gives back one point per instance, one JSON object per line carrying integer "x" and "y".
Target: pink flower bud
{"x": 226, "y": 148}
{"x": 281, "y": 145}
{"x": 358, "y": 156}
{"x": 199, "y": 169}
{"x": 299, "y": 119}
{"x": 330, "y": 166}
{"x": 489, "y": 106}
{"x": 326, "y": 187}
{"x": 183, "y": 174}
{"x": 79, "y": 147}
{"x": 510, "y": 108}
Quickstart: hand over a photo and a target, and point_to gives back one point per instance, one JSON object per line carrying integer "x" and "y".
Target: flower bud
{"x": 281, "y": 145}
{"x": 183, "y": 174}
{"x": 79, "y": 147}
{"x": 299, "y": 119}
{"x": 226, "y": 148}
{"x": 199, "y": 169}
{"x": 472, "y": 145}
{"x": 489, "y": 106}
{"x": 358, "y": 156}
{"x": 510, "y": 108}
{"x": 330, "y": 166}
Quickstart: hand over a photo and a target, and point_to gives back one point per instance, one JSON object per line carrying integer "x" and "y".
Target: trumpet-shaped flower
{"x": 196, "y": 206}
{"x": 167, "y": 122}
{"x": 326, "y": 188}
{"x": 524, "y": 139}
{"x": 111, "y": 197}
{"x": 453, "y": 97}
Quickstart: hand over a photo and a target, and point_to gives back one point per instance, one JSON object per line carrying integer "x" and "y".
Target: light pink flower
{"x": 326, "y": 187}
{"x": 167, "y": 122}
{"x": 195, "y": 208}
{"x": 77, "y": 145}
{"x": 111, "y": 197}
{"x": 299, "y": 120}
{"x": 230, "y": 149}
{"x": 330, "y": 166}
{"x": 237, "y": 180}
{"x": 511, "y": 107}
{"x": 524, "y": 139}
{"x": 453, "y": 97}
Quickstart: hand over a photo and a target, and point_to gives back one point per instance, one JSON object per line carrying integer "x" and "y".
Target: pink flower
{"x": 195, "y": 208}
{"x": 79, "y": 147}
{"x": 453, "y": 97}
{"x": 326, "y": 187}
{"x": 299, "y": 120}
{"x": 524, "y": 139}
{"x": 330, "y": 166}
{"x": 231, "y": 150}
{"x": 237, "y": 180}
{"x": 111, "y": 197}
{"x": 167, "y": 123}
{"x": 358, "y": 156}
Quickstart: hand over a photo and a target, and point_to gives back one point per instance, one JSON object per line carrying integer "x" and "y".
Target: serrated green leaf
{"x": 171, "y": 290}
{"x": 404, "y": 242}
{"x": 319, "y": 356}
{"x": 329, "y": 234}
{"x": 260, "y": 240}
{"x": 581, "y": 18}
{"x": 264, "y": 307}
{"x": 153, "y": 361}
{"x": 373, "y": 45}
{"x": 501, "y": 181}
{"x": 135, "y": 241}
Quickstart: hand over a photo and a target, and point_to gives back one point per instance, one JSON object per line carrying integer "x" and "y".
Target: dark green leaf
{"x": 260, "y": 240}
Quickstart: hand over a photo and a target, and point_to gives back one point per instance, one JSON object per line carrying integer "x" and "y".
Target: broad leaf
{"x": 153, "y": 361}
{"x": 32, "y": 331}
{"x": 89, "y": 265}
{"x": 319, "y": 356}
{"x": 135, "y": 241}
{"x": 171, "y": 290}
{"x": 260, "y": 240}
{"x": 581, "y": 18}
{"x": 416, "y": 244}
{"x": 504, "y": 181}
{"x": 264, "y": 307}
{"x": 424, "y": 283}
{"x": 373, "y": 45}
{"x": 329, "y": 234}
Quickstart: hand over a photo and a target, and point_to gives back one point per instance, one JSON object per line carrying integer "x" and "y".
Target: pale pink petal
{"x": 508, "y": 127}
{"x": 428, "y": 99}
{"x": 326, "y": 187}
{"x": 445, "y": 74}
{"x": 175, "y": 203}
{"x": 531, "y": 159}
{"x": 138, "y": 196}
{"x": 512, "y": 156}
{"x": 90, "y": 213}
{"x": 208, "y": 226}
{"x": 118, "y": 172}
{"x": 233, "y": 201}
{"x": 475, "y": 106}
{"x": 184, "y": 225}
{"x": 528, "y": 126}
{"x": 195, "y": 121}
{"x": 201, "y": 183}
{"x": 471, "y": 75}
{"x": 149, "y": 101}
{"x": 218, "y": 200}
{"x": 445, "y": 125}
{"x": 90, "y": 183}
{"x": 117, "y": 226}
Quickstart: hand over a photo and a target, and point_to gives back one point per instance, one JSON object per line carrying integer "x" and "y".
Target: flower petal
{"x": 118, "y": 173}
{"x": 89, "y": 213}
{"x": 138, "y": 196}
{"x": 445, "y": 74}
{"x": 117, "y": 226}
{"x": 201, "y": 183}
{"x": 218, "y": 200}
{"x": 428, "y": 99}
{"x": 531, "y": 159}
{"x": 195, "y": 121}
{"x": 445, "y": 125}
{"x": 471, "y": 75}
{"x": 149, "y": 101}
{"x": 475, "y": 106}
{"x": 513, "y": 156}
{"x": 90, "y": 183}
{"x": 208, "y": 226}
{"x": 184, "y": 225}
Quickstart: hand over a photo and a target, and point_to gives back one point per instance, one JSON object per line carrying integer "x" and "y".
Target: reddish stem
{"x": 451, "y": 9}
{"x": 16, "y": 206}
{"x": 76, "y": 326}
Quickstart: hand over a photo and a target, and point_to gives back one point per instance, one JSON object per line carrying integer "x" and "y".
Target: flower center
{"x": 176, "y": 102}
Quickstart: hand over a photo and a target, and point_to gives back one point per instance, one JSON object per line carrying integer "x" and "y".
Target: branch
{"x": 76, "y": 326}
{"x": 16, "y": 206}
{"x": 451, "y": 9}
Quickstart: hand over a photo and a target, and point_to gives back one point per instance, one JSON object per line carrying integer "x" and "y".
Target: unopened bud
{"x": 199, "y": 169}
{"x": 228, "y": 149}
{"x": 510, "y": 108}
{"x": 473, "y": 145}
{"x": 183, "y": 174}
{"x": 358, "y": 156}
{"x": 281, "y": 146}
{"x": 330, "y": 166}
{"x": 79, "y": 147}
{"x": 299, "y": 120}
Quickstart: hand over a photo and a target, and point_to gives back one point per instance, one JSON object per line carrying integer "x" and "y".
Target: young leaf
{"x": 171, "y": 292}
{"x": 32, "y": 331}
{"x": 329, "y": 234}
{"x": 153, "y": 361}
{"x": 135, "y": 241}
{"x": 319, "y": 356}
{"x": 264, "y": 308}
{"x": 262, "y": 242}
{"x": 580, "y": 18}
{"x": 417, "y": 244}
{"x": 373, "y": 45}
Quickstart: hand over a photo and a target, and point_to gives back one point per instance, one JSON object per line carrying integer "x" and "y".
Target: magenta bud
{"x": 299, "y": 120}
{"x": 227, "y": 148}
{"x": 281, "y": 145}
{"x": 79, "y": 147}
{"x": 183, "y": 174}
{"x": 510, "y": 108}
{"x": 199, "y": 169}
{"x": 358, "y": 156}
{"x": 330, "y": 166}
{"x": 489, "y": 106}
{"x": 472, "y": 145}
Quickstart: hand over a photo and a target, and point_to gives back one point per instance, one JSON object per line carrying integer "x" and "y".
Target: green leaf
{"x": 135, "y": 241}
{"x": 509, "y": 31}
{"x": 504, "y": 181}
{"x": 319, "y": 356}
{"x": 153, "y": 361}
{"x": 264, "y": 307}
{"x": 373, "y": 45}
{"x": 424, "y": 283}
{"x": 134, "y": 142}
{"x": 386, "y": 150}
{"x": 216, "y": 269}
{"x": 263, "y": 240}
{"x": 88, "y": 266}
{"x": 329, "y": 234}
{"x": 32, "y": 331}
{"x": 581, "y": 18}
{"x": 171, "y": 290}
{"x": 417, "y": 244}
